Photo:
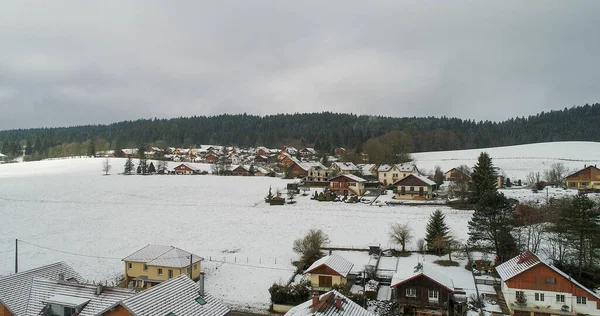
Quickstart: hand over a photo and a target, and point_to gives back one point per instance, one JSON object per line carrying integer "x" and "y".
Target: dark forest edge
{"x": 323, "y": 131}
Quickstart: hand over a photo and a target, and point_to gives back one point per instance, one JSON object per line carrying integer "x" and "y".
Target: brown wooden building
{"x": 456, "y": 175}
{"x": 586, "y": 178}
{"x": 534, "y": 287}
{"x": 185, "y": 169}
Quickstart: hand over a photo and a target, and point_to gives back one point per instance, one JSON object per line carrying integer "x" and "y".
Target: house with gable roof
{"x": 533, "y": 287}
{"x": 586, "y": 178}
{"x": 345, "y": 167}
{"x": 15, "y": 288}
{"x": 329, "y": 271}
{"x": 154, "y": 264}
{"x": 179, "y": 296}
{"x": 389, "y": 174}
{"x": 332, "y": 303}
{"x": 414, "y": 187}
{"x": 347, "y": 183}
{"x": 427, "y": 288}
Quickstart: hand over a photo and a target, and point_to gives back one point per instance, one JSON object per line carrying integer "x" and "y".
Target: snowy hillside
{"x": 517, "y": 161}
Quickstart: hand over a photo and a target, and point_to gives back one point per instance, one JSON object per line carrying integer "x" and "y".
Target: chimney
{"x": 338, "y": 303}
{"x": 61, "y": 276}
{"x": 201, "y": 284}
{"x": 315, "y": 300}
{"x": 99, "y": 288}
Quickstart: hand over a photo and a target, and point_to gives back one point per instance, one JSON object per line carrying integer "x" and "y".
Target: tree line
{"x": 324, "y": 131}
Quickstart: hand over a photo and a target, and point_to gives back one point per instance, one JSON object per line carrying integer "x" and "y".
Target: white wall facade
{"x": 549, "y": 300}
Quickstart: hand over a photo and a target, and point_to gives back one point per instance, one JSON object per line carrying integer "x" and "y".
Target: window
{"x": 411, "y": 292}
{"x": 551, "y": 280}
{"x": 560, "y": 298}
{"x": 68, "y": 311}
{"x": 581, "y": 300}
{"x": 412, "y": 189}
{"x": 324, "y": 281}
{"x": 433, "y": 295}
{"x": 196, "y": 266}
{"x": 539, "y": 297}
{"x": 145, "y": 267}
{"x": 403, "y": 190}
{"x": 129, "y": 265}
{"x": 170, "y": 273}
{"x": 200, "y": 300}
{"x": 159, "y": 271}
{"x": 421, "y": 191}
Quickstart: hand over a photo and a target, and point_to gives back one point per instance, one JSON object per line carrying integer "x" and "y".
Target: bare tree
{"x": 106, "y": 166}
{"x": 530, "y": 227}
{"x": 309, "y": 247}
{"x": 421, "y": 245}
{"x": 556, "y": 174}
{"x": 401, "y": 234}
{"x": 161, "y": 167}
{"x": 533, "y": 178}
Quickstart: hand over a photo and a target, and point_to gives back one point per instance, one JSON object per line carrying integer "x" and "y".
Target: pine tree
{"x": 438, "y": 176}
{"x": 28, "y": 148}
{"x": 151, "y": 168}
{"x": 92, "y": 148}
{"x": 118, "y": 149}
{"x": 508, "y": 183}
{"x": 437, "y": 232}
{"x": 492, "y": 224}
{"x": 139, "y": 169}
{"x": 128, "y": 166}
{"x": 143, "y": 165}
{"x": 269, "y": 196}
{"x": 483, "y": 178}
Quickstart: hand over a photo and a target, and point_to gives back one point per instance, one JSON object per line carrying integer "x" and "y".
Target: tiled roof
{"x": 14, "y": 289}
{"x": 428, "y": 270}
{"x": 164, "y": 256}
{"x": 327, "y": 307}
{"x": 528, "y": 260}
{"x": 335, "y": 262}
{"x": 44, "y": 290}
{"x": 179, "y": 296}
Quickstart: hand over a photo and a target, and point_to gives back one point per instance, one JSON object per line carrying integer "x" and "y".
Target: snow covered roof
{"x": 326, "y": 307}
{"x": 187, "y": 165}
{"x": 428, "y": 270}
{"x": 384, "y": 168}
{"x": 2, "y": 155}
{"x": 308, "y": 165}
{"x": 44, "y": 291}
{"x": 335, "y": 262}
{"x": 164, "y": 256}
{"x": 366, "y": 168}
{"x": 130, "y": 151}
{"x": 345, "y": 166}
{"x": 309, "y": 150}
{"x": 14, "y": 289}
{"x": 526, "y": 261}
{"x": 350, "y": 176}
{"x": 178, "y": 296}
{"x": 405, "y": 166}
{"x": 415, "y": 176}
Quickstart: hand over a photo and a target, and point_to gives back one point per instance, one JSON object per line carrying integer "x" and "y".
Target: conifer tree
{"x": 143, "y": 165}
{"x": 151, "y": 168}
{"x": 139, "y": 169}
{"x": 118, "y": 149}
{"x": 492, "y": 224}
{"x": 28, "y": 148}
{"x": 483, "y": 178}
{"x": 92, "y": 148}
{"x": 437, "y": 232}
{"x": 128, "y": 166}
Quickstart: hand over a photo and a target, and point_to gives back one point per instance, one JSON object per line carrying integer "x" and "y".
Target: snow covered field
{"x": 68, "y": 205}
{"x": 517, "y": 161}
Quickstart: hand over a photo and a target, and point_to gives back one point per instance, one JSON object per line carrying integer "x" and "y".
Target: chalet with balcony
{"x": 185, "y": 168}
{"x": 318, "y": 174}
{"x": 347, "y": 184}
{"x": 329, "y": 271}
{"x": 427, "y": 290}
{"x": 532, "y": 287}
{"x": 154, "y": 264}
{"x": 585, "y": 179}
{"x": 389, "y": 174}
{"x": 456, "y": 175}
{"x": 414, "y": 187}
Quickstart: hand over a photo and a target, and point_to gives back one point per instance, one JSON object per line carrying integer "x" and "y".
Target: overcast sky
{"x": 83, "y": 62}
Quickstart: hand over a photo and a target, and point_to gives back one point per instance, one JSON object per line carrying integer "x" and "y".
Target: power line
{"x": 68, "y": 252}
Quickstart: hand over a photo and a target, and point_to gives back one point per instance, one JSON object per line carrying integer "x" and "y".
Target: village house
{"x": 347, "y": 183}
{"x": 154, "y": 264}
{"x": 340, "y": 151}
{"x": 308, "y": 152}
{"x": 262, "y": 151}
{"x": 426, "y": 290}
{"x": 329, "y": 271}
{"x": 586, "y": 178}
{"x": 300, "y": 169}
{"x": 2, "y": 158}
{"x": 130, "y": 153}
{"x": 456, "y": 175}
{"x": 368, "y": 170}
{"x": 318, "y": 174}
{"x": 211, "y": 158}
{"x": 179, "y": 296}
{"x": 14, "y": 288}
{"x": 330, "y": 303}
{"x": 185, "y": 168}
{"x": 389, "y": 174}
{"x": 532, "y": 287}
{"x": 414, "y": 187}
{"x": 344, "y": 167}
{"x": 249, "y": 170}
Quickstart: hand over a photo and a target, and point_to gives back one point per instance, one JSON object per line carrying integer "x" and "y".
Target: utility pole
{"x": 191, "y": 269}
{"x": 16, "y": 256}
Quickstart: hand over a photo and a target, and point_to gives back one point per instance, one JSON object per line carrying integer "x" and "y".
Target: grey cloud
{"x": 70, "y": 62}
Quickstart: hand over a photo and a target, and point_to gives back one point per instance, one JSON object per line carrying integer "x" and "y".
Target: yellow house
{"x": 586, "y": 178}
{"x": 329, "y": 271}
{"x": 154, "y": 264}
{"x": 389, "y": 174}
